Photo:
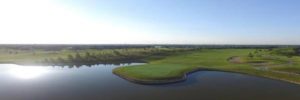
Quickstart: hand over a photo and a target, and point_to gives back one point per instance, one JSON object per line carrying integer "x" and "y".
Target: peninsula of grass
{"x": 174, "y": 68}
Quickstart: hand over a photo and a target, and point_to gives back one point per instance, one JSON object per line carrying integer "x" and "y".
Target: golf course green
{"x": 174, "y": 68}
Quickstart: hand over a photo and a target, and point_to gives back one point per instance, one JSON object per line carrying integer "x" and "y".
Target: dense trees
{"x": 297, "y": 50}
{"x": 289, "y": 52}
{"x": 112, "y": 56}
{"x": 250, "y": 55}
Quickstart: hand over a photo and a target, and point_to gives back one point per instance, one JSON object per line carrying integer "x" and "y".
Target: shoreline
{"x": 185, "y": 76}
{"x": 87, "y": 64}
{"x": 175, "y": 80}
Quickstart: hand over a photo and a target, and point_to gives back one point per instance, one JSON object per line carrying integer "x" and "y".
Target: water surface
{"x": 98, "y": 83}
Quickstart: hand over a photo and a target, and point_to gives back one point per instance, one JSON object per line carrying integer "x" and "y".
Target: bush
{"x": 289, "y": 52}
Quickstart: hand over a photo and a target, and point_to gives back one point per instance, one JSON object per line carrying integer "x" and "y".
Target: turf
{"x": 155, "y": 71}
{"x": 216, "y": 59}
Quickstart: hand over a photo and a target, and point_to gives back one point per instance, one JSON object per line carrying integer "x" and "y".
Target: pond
{"x": 98, "y": 83}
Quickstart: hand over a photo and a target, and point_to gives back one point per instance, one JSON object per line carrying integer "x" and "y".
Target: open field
{"x": 264, "y": 63}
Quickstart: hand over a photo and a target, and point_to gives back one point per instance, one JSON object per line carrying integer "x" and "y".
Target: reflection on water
{"x": 98, "y": 83}
{"x": 95, "y": 65}
{"x": 32, "y": 72}
{"x": 28, "y": 72}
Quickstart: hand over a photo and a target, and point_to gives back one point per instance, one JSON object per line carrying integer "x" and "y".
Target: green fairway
{"x": 155, "y": 71}
{"x": 175, "y": 67}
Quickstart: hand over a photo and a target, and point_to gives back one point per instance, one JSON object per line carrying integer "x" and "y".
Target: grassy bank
{"x": 175, "y": 67}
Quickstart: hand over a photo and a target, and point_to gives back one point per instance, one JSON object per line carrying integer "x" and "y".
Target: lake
{"x": 98, "y": 83}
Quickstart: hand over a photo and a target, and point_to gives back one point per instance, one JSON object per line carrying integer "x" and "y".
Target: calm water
{"x": 98, "y": 83}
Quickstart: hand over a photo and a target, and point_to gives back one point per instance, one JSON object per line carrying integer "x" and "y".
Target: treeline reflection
{"x": 97, "y": 65}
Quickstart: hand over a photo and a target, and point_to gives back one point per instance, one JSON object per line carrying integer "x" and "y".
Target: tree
{"x": 46, "y": 61}
{"x": 250, "y": 55}
{"x": 87, "y": 55}
{"x": 297, "y": 50}
{"x": 70, "y": 58}
{"x": 256, "y": 51}
{"x": 78, "y": 57}
{"x": 117, "y": 52}
{"x": 52, "y": 61}
{"x": 60, "y": 60}
{"x": 288, "y": 52}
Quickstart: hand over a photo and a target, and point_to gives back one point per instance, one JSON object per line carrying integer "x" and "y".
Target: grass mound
{"x": 154, "y": 71}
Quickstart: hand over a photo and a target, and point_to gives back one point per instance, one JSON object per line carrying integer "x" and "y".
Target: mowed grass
{"x": 215, "y": 59}
{"x": 155, "y": 71}
{"x": 293, "y": 67}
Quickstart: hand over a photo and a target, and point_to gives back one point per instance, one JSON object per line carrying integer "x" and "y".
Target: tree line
{"x": 112, "y": 57}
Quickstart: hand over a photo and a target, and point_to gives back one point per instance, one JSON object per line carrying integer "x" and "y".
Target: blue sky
{"x": 177, "y": 21}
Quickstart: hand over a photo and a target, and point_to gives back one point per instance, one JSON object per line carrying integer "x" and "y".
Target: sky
{"x": 149, "y": 22}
